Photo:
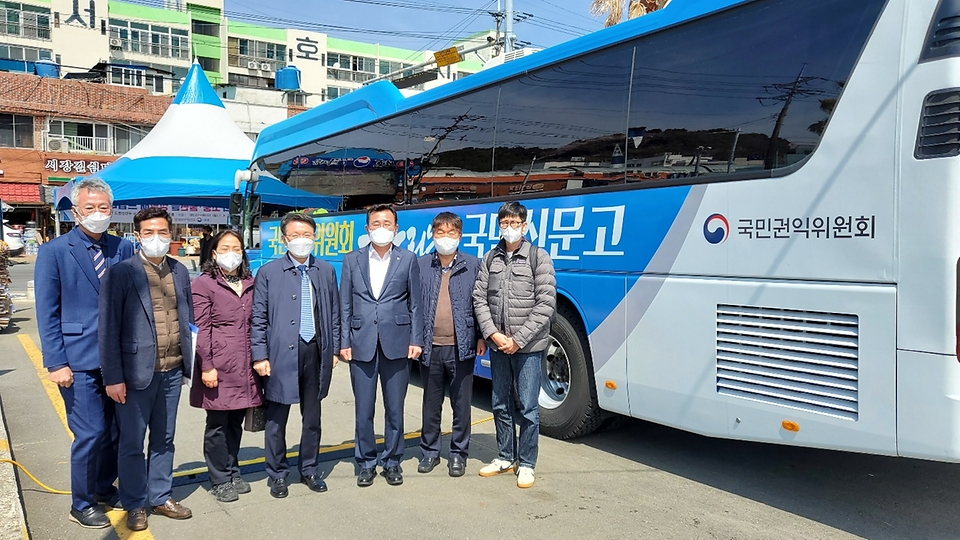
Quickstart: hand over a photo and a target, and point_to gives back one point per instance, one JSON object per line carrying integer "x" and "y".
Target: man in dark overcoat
{"x": 294, "y": 336}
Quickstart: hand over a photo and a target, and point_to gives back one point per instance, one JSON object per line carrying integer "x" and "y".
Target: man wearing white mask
{"x": 67, "y": 280}
{"x": 146, "y": 314}
{"x": 450, "y": 343}
{"x": 295, "y": 333}
{"x": 380, "y": 298}
{"x": 515, "y": 298}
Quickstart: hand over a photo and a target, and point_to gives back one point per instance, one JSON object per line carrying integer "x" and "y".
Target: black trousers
{"x": 221, "y": 444}
{"x": 446, "y": 371}
{"x": 275, "y": 440}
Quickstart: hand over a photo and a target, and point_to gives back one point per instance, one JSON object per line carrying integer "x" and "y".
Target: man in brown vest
{"x": 146, "y": 352}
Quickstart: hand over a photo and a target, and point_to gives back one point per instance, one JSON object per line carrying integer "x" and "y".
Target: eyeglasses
{"x": 89, "y": 209}
{"x": 299, "y": 236}
{"x": 514, "y": 223}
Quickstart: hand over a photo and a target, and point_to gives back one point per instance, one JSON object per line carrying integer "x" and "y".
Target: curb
{"x": 13, "y": 523}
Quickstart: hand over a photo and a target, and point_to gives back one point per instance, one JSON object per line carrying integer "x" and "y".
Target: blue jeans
{"x": 516, "y": 380}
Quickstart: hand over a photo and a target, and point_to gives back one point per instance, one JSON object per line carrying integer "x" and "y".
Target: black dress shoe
{"x": 278, "y": 488}
{"x": 112, "y": 502}
{"x": 91, "y": 518}
{"x": 314, "y": 482}
{"x": 457, "y": 465}
{"x": 366, "y": 476}
{"x": 427, "y": 464}
{"x": 393, "y": 475}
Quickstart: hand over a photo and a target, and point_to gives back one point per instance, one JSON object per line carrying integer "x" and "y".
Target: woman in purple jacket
{"x": 225, "y": 384}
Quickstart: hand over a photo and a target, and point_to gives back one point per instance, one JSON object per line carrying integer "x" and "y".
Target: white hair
{"x": 90, "y": 184}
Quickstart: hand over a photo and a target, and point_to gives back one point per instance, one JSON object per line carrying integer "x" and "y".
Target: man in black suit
{"x": 146, "y": 350}
{"x": 380, "y": 295}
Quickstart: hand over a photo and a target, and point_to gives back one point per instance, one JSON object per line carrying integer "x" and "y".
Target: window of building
{"x": 387, "y": 66}
{"x": 209, "y": 64}
{"x": 149, "y": 39}
{"x": 346, "y": 67}
{"x": 24, "y": 20}
{"x": 334, "y": 92}
{"x": 252, "y": 54}
{"x": 127, "y": 76}
{"x": 249, "y": 81}
{"x": 29, "y": 54}
{"x": 16, "y": 131}
{"x": 126, "y": 137}
{"x": 205, "y": 28}
{"x": 82, "y": 136}
{"x": 297, "y": 99}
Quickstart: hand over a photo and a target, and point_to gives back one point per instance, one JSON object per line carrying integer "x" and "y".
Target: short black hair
{"x": 152, "y": 212}
{"x": 381, "y": 208}
{"x": 290, "y": 217}
{"x": 211, "y": 267}
{"x": 510, "y": 209}
{"x": 449, "y": 219}
{"x": 207, "y": 229}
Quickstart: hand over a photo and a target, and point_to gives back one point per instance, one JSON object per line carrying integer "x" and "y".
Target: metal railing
{"x": 75, "y": 144}
{"x": 348, "y": 75}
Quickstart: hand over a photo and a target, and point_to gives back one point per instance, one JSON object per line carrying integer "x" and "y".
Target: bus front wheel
{"x": 568, "y": 397}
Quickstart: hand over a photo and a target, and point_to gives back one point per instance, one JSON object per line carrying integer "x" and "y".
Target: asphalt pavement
{"x": 635, "y": 480}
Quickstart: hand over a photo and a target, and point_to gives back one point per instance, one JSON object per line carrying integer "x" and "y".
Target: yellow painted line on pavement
{"x": 53, "y": 392}
{"x": 117, "y": 517}
{"x": 325, "y": 450}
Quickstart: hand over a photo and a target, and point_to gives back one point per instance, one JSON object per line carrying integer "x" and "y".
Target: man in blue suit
{"x": 295, "y": 358}
{"x": 67, "y": 283}
{"x": 380, "y": 295}
{"x": 146, "y": 350}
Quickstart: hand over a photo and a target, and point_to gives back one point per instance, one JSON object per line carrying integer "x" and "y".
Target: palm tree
{"x": 614, "y": 9}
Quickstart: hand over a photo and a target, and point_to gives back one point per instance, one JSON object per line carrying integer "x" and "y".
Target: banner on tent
{"x": 182, "y": 214}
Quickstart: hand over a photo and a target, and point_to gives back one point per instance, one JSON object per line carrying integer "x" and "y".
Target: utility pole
{"x": 795, "y": 89}
{"x": 508, "y": 25}
{"x": 733, "y": 150}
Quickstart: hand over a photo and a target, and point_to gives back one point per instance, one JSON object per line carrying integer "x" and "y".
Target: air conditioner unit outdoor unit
{"x": 253, "y": 64}
{"x": 58, "y": 145}
{"x": 115, "y": 42}
{"x": 266, "y": 67}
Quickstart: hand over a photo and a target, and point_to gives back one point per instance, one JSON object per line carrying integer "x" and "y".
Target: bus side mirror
{"x": 236, "y": 206}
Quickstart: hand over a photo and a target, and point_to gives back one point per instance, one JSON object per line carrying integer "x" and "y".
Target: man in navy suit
{"x": 146, "y": 351}
{"x": 380, "y": 295}
{"x": 295, "y": 358}
{"x": 67, "y": 283}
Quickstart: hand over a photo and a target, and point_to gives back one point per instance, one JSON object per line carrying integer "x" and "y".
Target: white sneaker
{"x": 525, "y": 477}
{"x": 496, "y": 467}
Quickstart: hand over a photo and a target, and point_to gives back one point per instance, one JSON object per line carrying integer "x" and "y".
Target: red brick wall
{"x": 41, "y": 96}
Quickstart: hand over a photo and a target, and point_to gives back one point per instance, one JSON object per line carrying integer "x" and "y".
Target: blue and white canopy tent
{"x": 190, "y": 158}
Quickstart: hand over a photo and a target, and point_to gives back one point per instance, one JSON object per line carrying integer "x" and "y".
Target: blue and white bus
{"x": 753, "y": 207}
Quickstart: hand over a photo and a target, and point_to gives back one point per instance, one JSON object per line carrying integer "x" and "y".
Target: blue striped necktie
{"x": 307, "y": 330}
{"x": 99, "y": 264}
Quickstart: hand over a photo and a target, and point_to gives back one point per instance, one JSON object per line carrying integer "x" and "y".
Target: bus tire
{"x": 571, "y": 410}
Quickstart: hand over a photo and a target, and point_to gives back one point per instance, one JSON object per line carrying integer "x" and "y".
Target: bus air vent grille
{"x": 806, "y": 360}
{"x": 939, "y": 134}
{"x": 943, "y": 39}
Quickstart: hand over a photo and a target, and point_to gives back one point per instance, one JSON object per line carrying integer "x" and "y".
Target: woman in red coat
{"x": 225, "y": 384}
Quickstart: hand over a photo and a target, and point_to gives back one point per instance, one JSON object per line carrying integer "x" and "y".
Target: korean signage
{"x": 74, "y": 166}
{"x": 572, "y": 235}
{"x": 183, "y": 215}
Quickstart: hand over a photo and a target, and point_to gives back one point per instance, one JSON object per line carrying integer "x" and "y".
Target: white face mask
{"x": 96, "y": 222}
{"x": 300, "y": 247}
{"x": 229, "y": 261}
{"x": 382, "y": 237}
{"x": 155, "y": 246}
{"x": 511, "y": 235}
{"x": 446, "y": 246}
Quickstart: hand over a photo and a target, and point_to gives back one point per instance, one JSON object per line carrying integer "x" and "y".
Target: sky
{"x": 420, "y": 24}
